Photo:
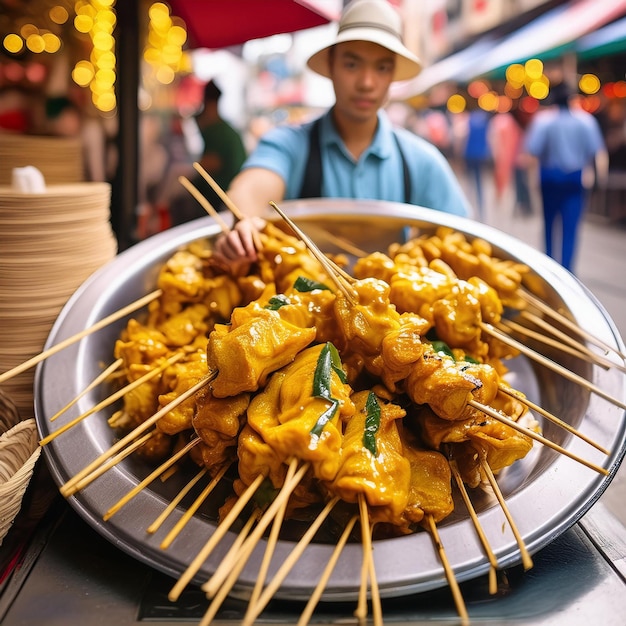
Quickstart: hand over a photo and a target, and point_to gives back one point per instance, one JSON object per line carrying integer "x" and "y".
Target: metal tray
{"x": 546, "y": 492}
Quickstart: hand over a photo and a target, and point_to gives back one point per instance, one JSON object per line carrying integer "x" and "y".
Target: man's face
{"x": 361, "y": 72}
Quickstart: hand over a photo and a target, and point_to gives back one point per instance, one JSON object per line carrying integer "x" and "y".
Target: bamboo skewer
{"x": 113, "y": 461}
{"x": 219, "y": 191}
{"x": 219, "y": 589}
{"x": 452, "y": 582}
{"x": 493, "y": 562}
{"x": 361, "y": 610}
{"x": 288, "y": 564}
{"x": 511, "y": 326}
{"x": 269, "y": 550}
{"x": 216, "y": 582}
{"x": 113, "y": 397}
{"x": 321, "y": 258}
{"x": 230, "y": 205}
{"x": 533, "y": 435}
{"x": 553, "y": 418}
{"x": 538, "y": 321}
{"x": 137, "y": 304}
{"x": 69, "y": 489}
{"x": 204, "y": 203}
{"x": 229, "y": 560}
{"x": 377, "y": 609}
{"x": 188, "y": 514}
{"x": 330, "y": 566}
{"x": 526, "y": 560}
{"x": 146, "y": 481}
{"x": 92, "y": 385}
{"x": 544, "y": 308}
{"x": 158, "y": 522}
{"x": 491, "y": 330}
{"x": 215, "y": 538}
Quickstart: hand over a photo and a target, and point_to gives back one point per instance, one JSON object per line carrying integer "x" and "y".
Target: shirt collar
{"x": 382, "y": 146}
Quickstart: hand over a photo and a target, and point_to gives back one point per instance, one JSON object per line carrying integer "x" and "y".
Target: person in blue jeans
{"x": 565, "y": 142}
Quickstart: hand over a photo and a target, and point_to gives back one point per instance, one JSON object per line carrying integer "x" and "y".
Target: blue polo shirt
{"x": 376, "y": 175}
{"x": 565, "y": 140}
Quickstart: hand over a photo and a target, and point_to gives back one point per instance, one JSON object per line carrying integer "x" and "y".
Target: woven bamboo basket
{"x": 19, "y": 452}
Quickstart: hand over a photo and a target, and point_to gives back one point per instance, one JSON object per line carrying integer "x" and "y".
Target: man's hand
{"x": 238, "y": 247}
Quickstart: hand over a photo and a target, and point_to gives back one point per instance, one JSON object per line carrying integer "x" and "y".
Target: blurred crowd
{"x": 484, "y": 148}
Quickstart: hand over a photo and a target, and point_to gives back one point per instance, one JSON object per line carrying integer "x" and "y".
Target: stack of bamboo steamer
{"x": 50, "y": 243}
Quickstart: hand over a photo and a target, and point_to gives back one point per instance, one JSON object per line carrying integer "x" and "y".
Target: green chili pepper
{"x": 276, "y": 302}
{"x": 303, "y": 284}
{"x": 372, "y": 423}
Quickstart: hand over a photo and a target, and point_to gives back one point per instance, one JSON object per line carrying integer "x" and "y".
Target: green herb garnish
{"x": 372, "y": 423}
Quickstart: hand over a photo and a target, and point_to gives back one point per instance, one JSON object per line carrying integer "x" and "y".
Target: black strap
{"x": 312, "y": 182}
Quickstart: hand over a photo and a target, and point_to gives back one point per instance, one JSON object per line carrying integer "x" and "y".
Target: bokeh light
{"x": 589, "y": 84}
{"x": 456, "y": 103}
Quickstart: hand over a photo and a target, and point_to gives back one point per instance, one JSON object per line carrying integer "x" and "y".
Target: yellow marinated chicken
{"x": 256, "y": 343}
{"x": 218, "y": 421}
{"x": 372, "y": 460}
{"x": 468, "y": 259}
{"x": 500, "y": 444}
{"x": 177, "y": 379}
{"x": 430, "y": 486}
{"x": 299, "y": 413}
{"x": 447, "y": 385}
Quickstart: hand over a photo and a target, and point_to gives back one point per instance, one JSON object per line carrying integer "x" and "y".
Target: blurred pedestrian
{"x": 477, "y": 154}
{"x": 564, "y": 144}
{"x": 222, "y": 157}
{"x": 351, "y": 151}
{"x": 506, "y": 140}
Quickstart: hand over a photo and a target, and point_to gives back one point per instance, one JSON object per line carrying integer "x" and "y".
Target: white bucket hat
{"x": 376, "y": 21}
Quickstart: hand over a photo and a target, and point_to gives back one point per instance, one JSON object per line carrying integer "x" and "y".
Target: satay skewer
{"x": 219, "y": 590}
{"x": 305, "y": 616}
{"x": 113, "y": 397}
{"x": 536, "y": 436}
{"x": 104, "y": 375}
{"x": 113, "y": 461}
{"x": 533, "y": 354}
{"x": 491, "y": 557}
{"x": 459, "y": 602}
{"x": 539, "y": 321}
{"x": 204, "y": 203}
{"x": 269, "y": 551}
{"x": 574, "y": 349}
{"x": 216, "y": 584}
{"x": 150, "y": 478}
{"x": 69, "y": 488}
{"x": 188, "y": 514}
{"x": 320, "y": 256}
{"x": 361, "y": 609}
{"x": 551, "y": 417}
{"x": 229, "y": 560}
{"x": 509, "y": 326}
{"x": 556, "y": 315}
{"x": 230, "y": 205}
{"x": 527, "y": 562}
{"x": 133, "y": 306}
{"x": 255, "y": 610}
{"x": 221, "y": 529}
{"x": 158, "y": 522}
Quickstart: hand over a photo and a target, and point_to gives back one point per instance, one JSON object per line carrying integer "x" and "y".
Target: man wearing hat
{"x": 352, "y": 151}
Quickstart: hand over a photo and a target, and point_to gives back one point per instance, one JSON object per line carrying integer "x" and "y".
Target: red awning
{"x": 222, "y": 23}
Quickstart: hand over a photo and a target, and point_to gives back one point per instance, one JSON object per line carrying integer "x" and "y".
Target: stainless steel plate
{"x": 545, "y": 492}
